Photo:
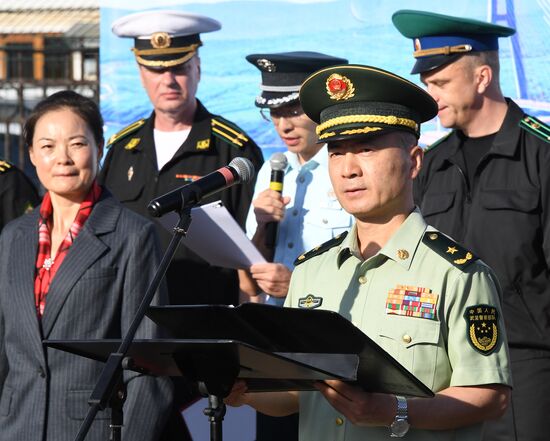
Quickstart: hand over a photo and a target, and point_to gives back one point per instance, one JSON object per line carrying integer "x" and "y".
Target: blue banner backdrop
{"x": 360, "y": 30}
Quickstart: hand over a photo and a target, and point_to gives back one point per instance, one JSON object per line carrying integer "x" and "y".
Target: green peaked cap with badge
{"x": 354, "y": 101}
{"x": 440, "y": 39}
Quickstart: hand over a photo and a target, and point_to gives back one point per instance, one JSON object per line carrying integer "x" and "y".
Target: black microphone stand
{"x": 109, "y": 389}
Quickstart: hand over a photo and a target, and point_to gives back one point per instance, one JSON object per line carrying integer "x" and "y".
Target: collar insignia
{"x": 132, "y": 144}
{"x": 203, "y": 144}
{"x": 403, "y": 254}
{"x": 339, "y": 87}
{"x": 310, "y": 302}
{"x": 482, "y": 327}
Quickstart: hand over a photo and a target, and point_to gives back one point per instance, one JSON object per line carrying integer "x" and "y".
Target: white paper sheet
{"x": 216, "y": 237}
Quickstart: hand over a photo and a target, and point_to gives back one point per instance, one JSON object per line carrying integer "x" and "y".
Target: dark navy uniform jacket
{"x": 503, "y": 219}
{"x": 130, "y": 171}
{"x": 17, "y": 193}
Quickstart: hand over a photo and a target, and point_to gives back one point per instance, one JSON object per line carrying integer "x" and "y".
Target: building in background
{"x": 45, "y": 46}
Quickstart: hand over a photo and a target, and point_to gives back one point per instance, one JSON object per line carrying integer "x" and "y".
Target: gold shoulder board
{"x": 228, "y": 132}
{"x": 126, "y": 131}
{"x": 4, "y": 166}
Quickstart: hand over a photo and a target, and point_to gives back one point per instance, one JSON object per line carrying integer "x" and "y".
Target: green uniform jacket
{"x": 425, "y": 300}
{"x": 130, "y": 172}
{"x": 17, "y": 193}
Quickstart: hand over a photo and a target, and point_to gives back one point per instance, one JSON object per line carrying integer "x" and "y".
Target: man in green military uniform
{"x": 487, "y": 184}
{"x": 427, "y": 301}
{"x": 17, "y": 193}
{"x": 178, "y": 143}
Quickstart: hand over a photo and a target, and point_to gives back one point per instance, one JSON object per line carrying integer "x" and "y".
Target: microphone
{"x": 278, "y": 164}
{"x": 239, "y": 170}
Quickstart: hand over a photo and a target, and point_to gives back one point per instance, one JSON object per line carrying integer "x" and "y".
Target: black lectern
{"x": 300, "y": 334}
{"x": 271, "y": 348}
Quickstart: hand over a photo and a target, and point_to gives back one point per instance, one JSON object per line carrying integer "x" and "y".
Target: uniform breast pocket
{"x": 522, "y": 200}
{"x": 435, "y": 203}
{"x": 414, "y": 343}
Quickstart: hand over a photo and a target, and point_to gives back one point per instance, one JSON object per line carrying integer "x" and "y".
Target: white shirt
{"x": 167, "y": 144}
{"x": 313, "y": 215}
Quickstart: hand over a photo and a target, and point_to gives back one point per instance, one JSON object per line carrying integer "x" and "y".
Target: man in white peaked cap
{"x": 179, "y": 142}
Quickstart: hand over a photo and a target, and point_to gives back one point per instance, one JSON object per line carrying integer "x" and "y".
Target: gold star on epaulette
{"x": 447, "y": 248}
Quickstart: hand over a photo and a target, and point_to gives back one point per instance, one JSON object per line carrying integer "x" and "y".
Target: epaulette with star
{"x": 535, "y": 127}
{"x": 449, "y": 249}
{"x": 228, "y": 132}
{"x": 439, "y": 141}
{"x": 4, "y": 166}
{"x": 321, "y": 248}
{"x": 128, "y": 130}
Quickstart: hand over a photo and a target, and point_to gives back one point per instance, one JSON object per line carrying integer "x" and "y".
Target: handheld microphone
{"x": 239, "y": 170}
{"x": 278, "y": 164}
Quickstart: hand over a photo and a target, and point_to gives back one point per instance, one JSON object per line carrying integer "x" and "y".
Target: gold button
{"x": 407, "y": 338}
{"x": 339, "y": 421}
{"x": 362, "y": 280}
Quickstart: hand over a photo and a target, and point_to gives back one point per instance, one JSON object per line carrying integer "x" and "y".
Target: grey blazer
{"x": 94, "y": 295}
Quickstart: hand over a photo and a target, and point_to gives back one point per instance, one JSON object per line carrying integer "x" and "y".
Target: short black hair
{"x": 84, "y": 107}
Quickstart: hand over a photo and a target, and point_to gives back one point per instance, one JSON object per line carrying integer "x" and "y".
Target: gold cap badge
{"x": 339, "y": 87}
{"x": 265, "y": 64}
{"x": 160, "y": 40}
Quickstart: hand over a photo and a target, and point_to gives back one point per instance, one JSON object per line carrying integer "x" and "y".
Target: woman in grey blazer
{"x": 75, "y": 268}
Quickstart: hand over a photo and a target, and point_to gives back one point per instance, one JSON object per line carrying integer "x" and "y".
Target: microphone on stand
{"x": 278, "y": 164}
{"x": 239, "y": 170}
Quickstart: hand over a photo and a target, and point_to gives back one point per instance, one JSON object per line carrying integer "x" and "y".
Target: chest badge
{"x": 132, "y": 144}
{"x": 130, "y": 173}
{"x": 310, "y": 302}
{"x": 203, "y": 144}
{"x": 482, "y": 327}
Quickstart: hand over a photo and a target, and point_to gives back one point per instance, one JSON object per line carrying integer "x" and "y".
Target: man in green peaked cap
{"x": 424, "y": 299}
{"x": 487, "y": 184}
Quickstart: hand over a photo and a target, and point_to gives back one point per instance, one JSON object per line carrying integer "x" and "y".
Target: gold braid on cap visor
{"x": 351, "y": 132}
{"x": 445, "y": 50}
{"x": 189, "y": 51}
{"x": 353, "y": 119}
